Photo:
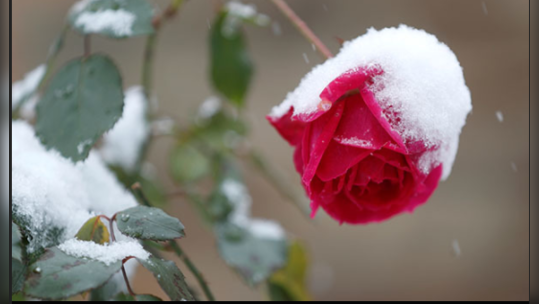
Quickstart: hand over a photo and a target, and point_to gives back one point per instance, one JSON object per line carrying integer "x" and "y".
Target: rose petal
{"x": 338, "y": 159}
{"x": 290, "y": 129}
{"x": 317, "y": 137}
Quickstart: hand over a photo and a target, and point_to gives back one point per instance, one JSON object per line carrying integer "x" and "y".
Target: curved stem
{"x": 303, "y": 28}
{"x": 181, "y": 254}
{"x": 131, "y": 292}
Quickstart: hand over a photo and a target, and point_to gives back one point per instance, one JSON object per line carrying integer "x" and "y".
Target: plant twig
{"x": 131, "y": 292}
{"x": 181, "y": 254}
{"x": 303, "y": 28}
{"x": 151, "y": 42}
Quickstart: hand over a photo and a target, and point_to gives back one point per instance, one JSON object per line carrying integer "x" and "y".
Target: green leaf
{"x": 107, "y": 291}
{"x": 83, "y": 100}
{"x": 18, "y": 274}
{"x": 112, "y": 18}
{"x": 231, "y": 66}
{"x": 289, "y": 283}
{"x": 147, "y": 223}
{"x": 255, "y": 259}
{"x": 57, "y": 275}
{"x": 94, "y": 230}
{"x": 169, "y": 277}
{"x": 188, "y": 164}
{"x": 142, "y": 298}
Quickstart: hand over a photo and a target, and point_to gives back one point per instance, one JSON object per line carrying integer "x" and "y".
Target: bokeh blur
{"x": 469, "y": 242}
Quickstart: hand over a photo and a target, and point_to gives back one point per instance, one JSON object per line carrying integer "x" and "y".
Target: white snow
{"x": 245, "y": 11}
{"x": 237, "y": 12}
{"x": 123, "y": 143}
{"x": 80, "y": 6}
{"x": 51, "y": 192}
{"x": 27, "y": 86}
{"x": 266, "y": 229}
{"x": 209, "y": 107}
{"x": 108, "y": 253}
{"x": 422, "y": 82}
{"x": 237, "y": 194}
{"x": 120, "y": 22}
{"x": 499, "y": 116}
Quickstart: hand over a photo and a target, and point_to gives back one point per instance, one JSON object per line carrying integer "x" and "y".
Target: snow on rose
{"x": 376, "y": 127}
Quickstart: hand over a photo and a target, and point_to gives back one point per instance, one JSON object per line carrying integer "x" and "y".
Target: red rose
{"x": 356, "y": 158}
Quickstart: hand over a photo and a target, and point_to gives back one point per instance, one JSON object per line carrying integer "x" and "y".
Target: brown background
{"x": 483, "y": 205}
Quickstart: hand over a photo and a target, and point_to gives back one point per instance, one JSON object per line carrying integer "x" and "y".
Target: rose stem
{"x": 125, "y": 276}
{"x": 303, "y": 28}
{"x": 147, "y": 65}
{"x": 177, "y": 249}
{"x": 111, "y": 225}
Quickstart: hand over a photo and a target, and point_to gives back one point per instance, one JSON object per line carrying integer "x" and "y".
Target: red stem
{"x": 303, "y": 28}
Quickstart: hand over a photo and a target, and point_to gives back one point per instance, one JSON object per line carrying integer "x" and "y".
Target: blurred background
{"x": 469, "y": 242}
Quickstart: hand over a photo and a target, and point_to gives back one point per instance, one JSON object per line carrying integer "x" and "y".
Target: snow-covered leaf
{"x": 112, "y": 18}
{"x": 57, "y": 275}
{"x": 254, "y": 257}
{"x": 169, "y": 277}
{"x": 94, "y": 230}
{"x": 83, "y": 100}
{"x": 231, "y": 66}
{"x": 147, "y": 223}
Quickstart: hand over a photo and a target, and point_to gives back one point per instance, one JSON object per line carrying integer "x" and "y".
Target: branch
{"x": 149, "y": 50}
{"x": 303, "y": 28}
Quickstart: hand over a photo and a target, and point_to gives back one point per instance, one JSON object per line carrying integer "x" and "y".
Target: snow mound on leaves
{"x": 55, "y": 197}
{"x": 422, "y": 83}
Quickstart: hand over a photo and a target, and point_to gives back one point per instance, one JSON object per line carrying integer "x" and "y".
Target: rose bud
{"x": 376, "y": 127}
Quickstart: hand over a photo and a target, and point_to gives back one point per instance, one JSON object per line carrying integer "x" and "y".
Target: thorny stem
{"x": 303, "y": 28}
{"x": 179, "y": 252}
{"x": 111, "y": 225}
